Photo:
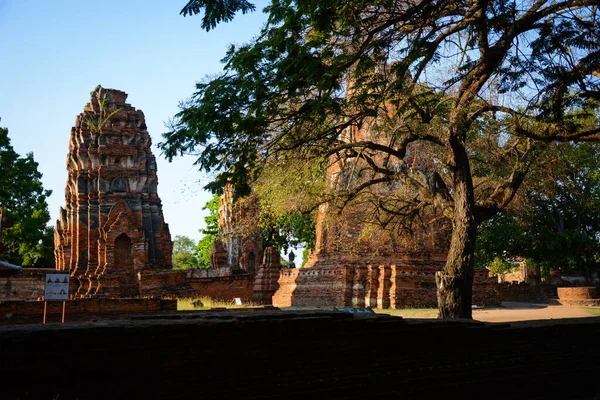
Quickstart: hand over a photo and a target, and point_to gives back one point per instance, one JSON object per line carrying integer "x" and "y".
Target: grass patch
{"x": 206, "y": 303}
{"x": 410, "y": 312}
{"x": 595, "y": 311}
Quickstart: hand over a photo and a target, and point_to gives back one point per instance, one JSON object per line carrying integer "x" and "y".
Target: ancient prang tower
{"x": 112, "y": 232}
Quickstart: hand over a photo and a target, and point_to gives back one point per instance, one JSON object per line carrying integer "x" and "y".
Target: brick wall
{"x": 314, "y": 287}
{"x": 18, "y": 312}
{"x": 300, "y": 356}
{"x": 26, "y": 284}
{"x": 527, "y": 293}
{"x": 224, "y": 288}
{"x": 396, "y": 286}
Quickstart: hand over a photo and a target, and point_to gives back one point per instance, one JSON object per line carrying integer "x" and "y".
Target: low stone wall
{"x": 224, "y": 288}
{"x": 328, "y": 286}
{"x": 383, "y": 286}
{"x": 577, "y": 293}
{"x": 208, "y": 273}
{"x": 525, "y": 292}
{"x": 164, "y": 283}
{"x": 279, "y": 355}
{"x": 579, "y": 296}
{"x": 19, "y": 312}
{"x": 26, "y": 284}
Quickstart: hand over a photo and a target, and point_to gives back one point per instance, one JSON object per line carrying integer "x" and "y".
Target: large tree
{"x": 29, "y": 240}
{"x": 478, "y": 86}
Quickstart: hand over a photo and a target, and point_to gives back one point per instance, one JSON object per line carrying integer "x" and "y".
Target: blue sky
{"x": 54, "y": 53}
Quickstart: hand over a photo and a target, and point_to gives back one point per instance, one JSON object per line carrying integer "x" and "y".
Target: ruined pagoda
{"x": 112, "y": 230}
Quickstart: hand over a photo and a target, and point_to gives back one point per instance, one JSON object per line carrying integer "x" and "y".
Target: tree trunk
{"x": 455, "y": 282}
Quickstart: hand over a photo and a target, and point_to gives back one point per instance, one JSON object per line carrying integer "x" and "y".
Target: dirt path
{"x": 528, "y": 312}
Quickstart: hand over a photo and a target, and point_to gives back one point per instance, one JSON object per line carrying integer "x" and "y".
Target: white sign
{"x": 57, "y": 286}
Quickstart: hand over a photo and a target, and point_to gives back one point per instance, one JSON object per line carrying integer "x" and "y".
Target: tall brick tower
{"x": 112, "y": 229}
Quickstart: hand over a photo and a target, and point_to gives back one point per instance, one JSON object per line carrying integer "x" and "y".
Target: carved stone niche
{"x": 218, "y": 256}
{"x": 122, "y": 252}
{"x": 251, "y": 257}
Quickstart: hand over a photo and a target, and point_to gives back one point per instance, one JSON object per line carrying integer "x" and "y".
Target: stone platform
{"x": 283, "y": 355}
{"x": 383, "y": 286}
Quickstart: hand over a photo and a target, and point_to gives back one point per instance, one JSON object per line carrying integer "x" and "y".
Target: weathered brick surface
{"x": 26, "y": 284}
{"x": 266, "y": 280}
{"x": 112, "y": 228}
{"x": 577, "y": 293}
{"x": 583, "y": 296}
{"x": 527, "y": 293}
{"x": 314, "y": 287}
{"x": 300, "y": 356}
{"x": 373, "y": 286}
{"x": 31, "y": 312}
{"x": 224, "y": 288}
{"x": 239, "y": 245}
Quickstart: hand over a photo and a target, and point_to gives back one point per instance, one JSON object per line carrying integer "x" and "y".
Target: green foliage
{"x": 498, "y": 239}
{"x": 204, "y": 247}
{"x": 457, "y": 97}
{"x": 96, "y": 124}
{"x": 498, "y": 266}
{"x": 29, "y": 242}
{"x": 558, "y": 225}
{"x": 212, "y": 219}
{"x": 216, "y": 11}
{"x": 183, "y": 253}
{"x": 290, "y": 230}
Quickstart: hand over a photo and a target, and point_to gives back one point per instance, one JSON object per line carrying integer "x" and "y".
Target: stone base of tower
{"x": 383, "y": 286}
{"x": 143, "y": 283}
{"x": 266, "y": 280}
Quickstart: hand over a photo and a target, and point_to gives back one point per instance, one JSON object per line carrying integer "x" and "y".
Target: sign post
{"x": 57, "y": 289}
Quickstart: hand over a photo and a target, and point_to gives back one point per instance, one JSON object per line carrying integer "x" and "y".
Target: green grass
{"x": 410, "y": 312}
{"x": 207, "y": 304}
{"x": 595, "y": 311}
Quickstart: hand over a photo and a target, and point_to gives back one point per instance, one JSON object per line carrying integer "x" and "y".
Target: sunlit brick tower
{"x": 355, "y": 262}
{"x": 112, "y": 230}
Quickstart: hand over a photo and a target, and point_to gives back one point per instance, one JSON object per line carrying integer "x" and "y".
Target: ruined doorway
{"x": 128, "y": 285}
{"x": 251, "y": 263}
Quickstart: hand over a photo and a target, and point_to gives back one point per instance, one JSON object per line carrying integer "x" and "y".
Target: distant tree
{"x": 557, "y": 222}
{"x": 210, "y": 232}
{"x": 477, "y": 87}
{"x": 29, "y": 241}
{"x": 183, "y": 253}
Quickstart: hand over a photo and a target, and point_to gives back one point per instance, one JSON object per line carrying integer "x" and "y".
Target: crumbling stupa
{"x": 112, "y": 233}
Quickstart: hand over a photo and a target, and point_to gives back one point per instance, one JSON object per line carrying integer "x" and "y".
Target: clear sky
{"x": 53, "y": 53}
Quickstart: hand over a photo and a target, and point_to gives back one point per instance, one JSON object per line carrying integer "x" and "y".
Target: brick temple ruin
{"x": 111, "y": 235}
{"x": 382, "y": 269}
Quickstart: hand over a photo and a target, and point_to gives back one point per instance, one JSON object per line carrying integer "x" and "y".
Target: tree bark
{"x": 455, "y": 282}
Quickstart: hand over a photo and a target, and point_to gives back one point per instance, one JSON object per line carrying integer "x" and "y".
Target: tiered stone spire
{"x": 112, "y": 227}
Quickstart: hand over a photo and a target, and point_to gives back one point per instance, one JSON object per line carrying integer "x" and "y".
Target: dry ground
{"x": 512, "y": 312}
{"x": 508, "y": 312}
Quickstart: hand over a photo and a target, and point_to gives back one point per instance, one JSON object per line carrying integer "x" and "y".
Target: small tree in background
{"x": 183, "y": 253}
{"x": 210, "y": 232}
{"x": 29, "y": 241}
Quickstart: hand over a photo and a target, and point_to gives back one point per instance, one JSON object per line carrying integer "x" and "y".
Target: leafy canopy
{"x": 29, "y": 241}
{"x": 458, "y": 98}
{"x": 556, "y": 223}
{"x": 183, "y": 253}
